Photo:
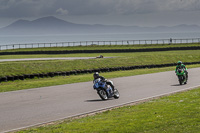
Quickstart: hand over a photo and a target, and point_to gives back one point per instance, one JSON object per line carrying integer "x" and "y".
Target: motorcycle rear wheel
{"x": 185, "y": 82}
{"x": 103, "y": 94}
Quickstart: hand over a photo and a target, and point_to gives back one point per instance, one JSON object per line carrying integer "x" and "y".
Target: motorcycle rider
{"x": 181, "y": 65}
{"x": 96, "y": 76}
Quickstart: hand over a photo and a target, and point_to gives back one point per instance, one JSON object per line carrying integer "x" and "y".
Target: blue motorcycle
{"x": 105, "y": 90}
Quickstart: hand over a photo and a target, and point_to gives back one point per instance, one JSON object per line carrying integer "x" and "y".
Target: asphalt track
{"x": 59, "y": 58}
{"x": 20, "y": 109}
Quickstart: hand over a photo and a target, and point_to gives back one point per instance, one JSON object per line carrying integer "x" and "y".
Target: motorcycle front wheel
{"x": 116, "y": 94}
{"x": 180, "y": 80}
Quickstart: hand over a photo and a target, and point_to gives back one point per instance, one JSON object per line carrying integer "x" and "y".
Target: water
{"x": 6, "y": 40}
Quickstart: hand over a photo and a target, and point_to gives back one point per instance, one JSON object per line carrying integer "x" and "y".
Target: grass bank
{"x": 123, "y": 59}
{"x": 177, "y": 113}
{"x": 60, "y": 80}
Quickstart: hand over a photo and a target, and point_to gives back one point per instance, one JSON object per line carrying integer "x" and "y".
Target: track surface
{"x": 63, "y": 58}
{"x": 24, "y": 108}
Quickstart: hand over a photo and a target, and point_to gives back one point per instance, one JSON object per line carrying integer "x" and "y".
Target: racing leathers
{"x": 105, "y": 80}
{"x": 183, "y": 67}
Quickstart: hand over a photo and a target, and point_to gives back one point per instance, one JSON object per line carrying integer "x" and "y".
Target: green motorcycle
{"x": 181, "y": 76}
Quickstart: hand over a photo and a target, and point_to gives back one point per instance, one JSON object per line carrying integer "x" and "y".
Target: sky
{"x": 148, "y": 13}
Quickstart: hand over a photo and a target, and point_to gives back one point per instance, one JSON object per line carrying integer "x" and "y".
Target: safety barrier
{"x": 101, "y": 51}
{"x": 100, "y": 43}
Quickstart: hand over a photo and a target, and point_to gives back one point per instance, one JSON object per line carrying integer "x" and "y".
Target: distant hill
{"x": 53, "y": 25}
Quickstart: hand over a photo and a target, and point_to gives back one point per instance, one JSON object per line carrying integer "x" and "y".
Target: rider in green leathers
{"x": 181, "y": 65}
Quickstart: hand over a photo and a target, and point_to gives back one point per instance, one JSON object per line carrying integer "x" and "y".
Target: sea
{"x": 26, "y": 39}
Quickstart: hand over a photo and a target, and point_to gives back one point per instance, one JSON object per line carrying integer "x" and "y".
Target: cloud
{"x": 61, "y": 11}
{"x": 179, "y": 5}
{"x": 153, "y": 6}
{"x": 125, "y": 7}
{"x": 25, "y": 8}
{"x": 33, "y": 8}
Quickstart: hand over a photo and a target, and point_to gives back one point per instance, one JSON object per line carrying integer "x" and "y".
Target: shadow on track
{"x": 178, "y": 85}
{"x": 97, "y": 100}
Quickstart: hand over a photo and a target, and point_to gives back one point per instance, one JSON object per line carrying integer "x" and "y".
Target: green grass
{"x": 96, "y": 47}
{"x": 123, "y": 59}
{"x": 177, "y": 113}
{"x": 60, "y": 80}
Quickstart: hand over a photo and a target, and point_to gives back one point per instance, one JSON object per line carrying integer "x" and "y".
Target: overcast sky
{"x": 119, "y": 12}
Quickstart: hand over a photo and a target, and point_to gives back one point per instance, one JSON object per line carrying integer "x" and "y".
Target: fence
{"x": 93, "y": 43}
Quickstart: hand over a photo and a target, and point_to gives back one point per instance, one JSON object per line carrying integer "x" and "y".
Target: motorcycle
{"x": 181, "y": 76}
{"x": 104, "y": 90}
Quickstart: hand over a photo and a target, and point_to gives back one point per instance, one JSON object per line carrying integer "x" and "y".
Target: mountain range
{"x": 53, "y": 25}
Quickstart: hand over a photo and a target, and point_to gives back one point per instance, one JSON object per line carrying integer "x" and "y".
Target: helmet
{"x": 96, "y": 74}
{"x": 179, "y": 62}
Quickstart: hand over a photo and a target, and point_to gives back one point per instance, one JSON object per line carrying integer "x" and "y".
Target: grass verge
{"x": 177, "y": 113}
{"x": 60, "y": 80}
{"x": 122, "y": 59}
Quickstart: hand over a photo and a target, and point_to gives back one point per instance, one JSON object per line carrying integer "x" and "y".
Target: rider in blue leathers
{"x": 96, "y": 76}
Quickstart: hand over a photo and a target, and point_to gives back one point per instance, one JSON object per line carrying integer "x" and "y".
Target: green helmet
{"x": 179, "y": 63}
